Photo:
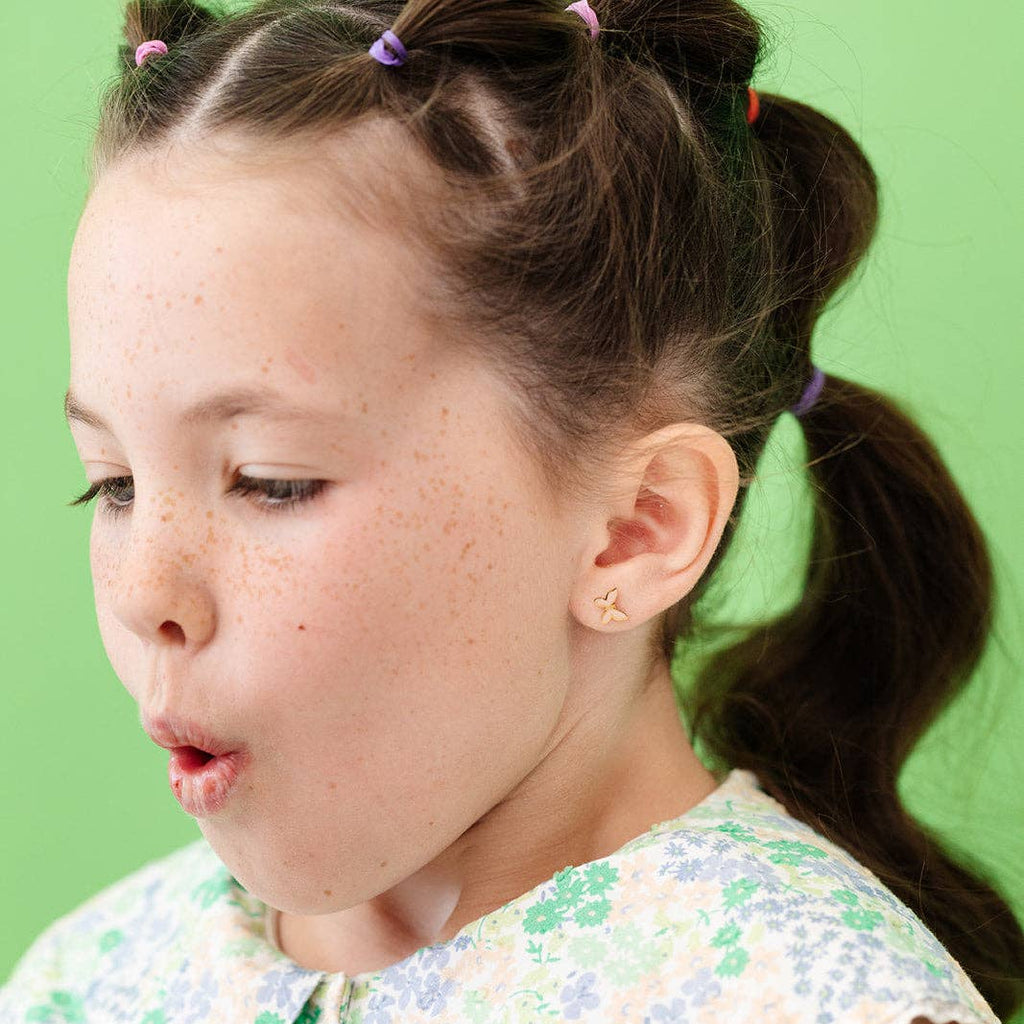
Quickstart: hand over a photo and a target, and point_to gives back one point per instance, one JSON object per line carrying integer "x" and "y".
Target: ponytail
{"x": 826, "y": 702}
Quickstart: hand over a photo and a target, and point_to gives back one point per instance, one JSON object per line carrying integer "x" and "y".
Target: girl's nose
{"x": 159, "y": 584}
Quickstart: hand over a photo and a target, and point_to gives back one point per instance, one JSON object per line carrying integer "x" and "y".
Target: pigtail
{"x": 827, "y": 702}
{"x": 170, "y": 21}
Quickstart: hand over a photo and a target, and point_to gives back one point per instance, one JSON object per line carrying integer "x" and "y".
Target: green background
{"x": 934, "y": 317}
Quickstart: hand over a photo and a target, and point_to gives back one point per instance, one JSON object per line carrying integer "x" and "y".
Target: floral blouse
{"x": 733, "y": 912}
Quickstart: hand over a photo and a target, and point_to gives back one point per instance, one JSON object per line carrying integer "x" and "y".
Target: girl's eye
{"x": 279, "y": 495}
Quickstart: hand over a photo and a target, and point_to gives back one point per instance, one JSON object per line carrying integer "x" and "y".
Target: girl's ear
{"x": 679, "y": 485}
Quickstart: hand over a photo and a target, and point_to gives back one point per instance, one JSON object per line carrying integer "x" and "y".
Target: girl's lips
{"x": 172, "y": 732}
{"x": 203, "y": 782}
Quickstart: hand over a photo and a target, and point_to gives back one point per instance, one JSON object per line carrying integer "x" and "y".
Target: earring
{"x": 608, "y": 604}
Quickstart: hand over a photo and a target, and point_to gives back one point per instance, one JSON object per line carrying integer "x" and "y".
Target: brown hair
{"x": 629, "y": 252}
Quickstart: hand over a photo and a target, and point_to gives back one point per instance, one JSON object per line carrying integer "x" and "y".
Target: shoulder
{"x": 54, "y": 977}
{"x": 786, "y": 922}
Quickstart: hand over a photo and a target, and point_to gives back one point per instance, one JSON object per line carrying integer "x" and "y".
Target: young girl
{"x": 422, "y": 357}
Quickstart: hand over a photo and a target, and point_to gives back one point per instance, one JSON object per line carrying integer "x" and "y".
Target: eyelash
{"x": 300, "y": 492}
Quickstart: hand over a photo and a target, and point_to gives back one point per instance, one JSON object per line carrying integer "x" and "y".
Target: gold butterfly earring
{"x": 608, "y": 604}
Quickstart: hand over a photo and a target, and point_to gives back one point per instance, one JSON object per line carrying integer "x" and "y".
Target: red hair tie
{"x": 753, "y": 105}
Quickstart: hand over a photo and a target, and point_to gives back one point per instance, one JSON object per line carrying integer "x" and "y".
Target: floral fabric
{"x": 733, "y": 912}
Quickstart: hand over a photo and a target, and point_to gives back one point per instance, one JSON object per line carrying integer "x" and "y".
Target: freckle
{"x": 220, "y": 248}
{"x": 149, "y": 295}
{"x": 167, "y": 304}
{"x": 302, "y": 627}
{"x": 383, "y": 863}
{"x": 327, "y": 892}
{"x": 238, "y": 618}
{"x": 199, "y": 300}
{"x": 430, "y": 823}
{"x": 332, "y": 785}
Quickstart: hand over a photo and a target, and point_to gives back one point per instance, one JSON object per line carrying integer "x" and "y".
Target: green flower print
{"x": 727, "y": 935}
{"x": 737, "y": 831}
{"x": 563, "y": 877}
{"x": 543, "y": 917}
{"x": 266, "y": 1017}
{"x": 63, "y": 1007}
{"x": 569, "y": 891}
{"x": 788, "y": 851}
{"x": 587, "y": 950}
{"x": 844, "y": 896}
{"x": 733, "y": 962}
{"x": 207, "y": 892}
{"x": 108, "y": 940}
{"x": 309, "y": 1015}
{"x": 601, "y": 877}
{"x": 862, "y": 920}
{"x": 593, "y": 913}
{"x": 738, "y": 891}
{"x": 154, "y": 1017}
{"x": 475, "y": 1007}
{"x": 632, "y": 955}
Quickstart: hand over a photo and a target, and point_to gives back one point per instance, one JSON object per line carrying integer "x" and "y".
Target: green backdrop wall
{"x": 935, "y": 317}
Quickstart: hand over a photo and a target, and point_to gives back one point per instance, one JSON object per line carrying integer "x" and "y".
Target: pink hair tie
{"x": 582, "y": 8}
{"x": 145, "y": 49}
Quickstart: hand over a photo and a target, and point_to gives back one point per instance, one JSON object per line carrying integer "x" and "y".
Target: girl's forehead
{"x": 226, "y": 268}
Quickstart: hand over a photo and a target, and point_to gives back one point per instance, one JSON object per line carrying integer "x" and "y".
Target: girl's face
{"x": 391, "y": 649}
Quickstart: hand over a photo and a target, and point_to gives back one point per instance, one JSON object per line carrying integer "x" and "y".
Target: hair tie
{"x": 145, "y": 49}
{"x": 753, "y": 105}
{"x": 811, "y": 393}
{"x": 378, "y": 51}
{"x": 583, "y": 9}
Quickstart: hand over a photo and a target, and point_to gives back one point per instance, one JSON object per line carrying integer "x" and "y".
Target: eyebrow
{"x": 226, "y": 405}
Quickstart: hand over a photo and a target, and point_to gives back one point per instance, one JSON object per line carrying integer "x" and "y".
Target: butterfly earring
{"x": 608, "y": 604}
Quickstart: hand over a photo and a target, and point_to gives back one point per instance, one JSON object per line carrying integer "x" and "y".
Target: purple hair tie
{"x": 145, "y": 49}
{"x": 378, "y": 52}
{"x": 582, "y": 8}
{"x": 811, "y": 393}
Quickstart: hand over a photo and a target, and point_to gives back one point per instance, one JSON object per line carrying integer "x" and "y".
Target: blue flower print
{"x": 702, "y": 987}
{"x": 677, "y": 849}
{"x": 185, "y": 1004}
{"x": 404, "y": 982}
{"x": 120, "y": 1001}
{"x": 683, "y": 870}
{"x": 674, "y": 1014}
{"x": 379, "y": 1009}
{"x": 277, "y": 985}
{"x": 433, "y": 994}
{"x": 578, "y": 996}
{"x": 435, "y": 956}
